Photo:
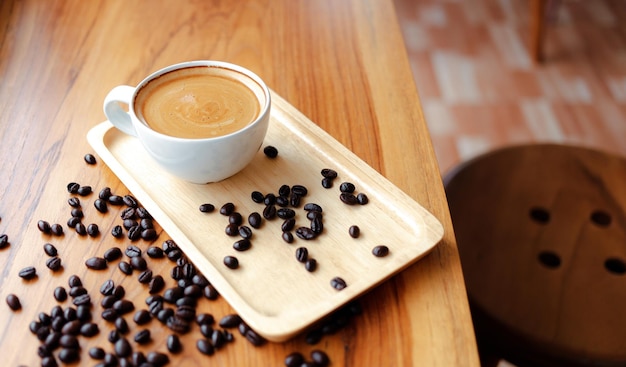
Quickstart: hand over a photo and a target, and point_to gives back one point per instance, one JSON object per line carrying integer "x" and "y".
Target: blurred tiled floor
{"x": 480, "y": 89}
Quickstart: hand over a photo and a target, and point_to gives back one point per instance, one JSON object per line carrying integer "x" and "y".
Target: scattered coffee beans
{"x": 90, "y": 158}
{"x": 60, "y": 294}
{"x": 207, "y": 208}
{"x": 54, "y": 263}
{"x": 4, "y": 241}
{"x": 354, "y": 231}
{"x": 380, "y": 251}
{"x": 338, "y": 283}
{"x": 96, "y": 263}
{"x": 231, "y": 262}
{"x": 28, "y": 272}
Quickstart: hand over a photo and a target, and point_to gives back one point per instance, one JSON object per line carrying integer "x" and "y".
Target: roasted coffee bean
{"x": 217, "y": 339}
{"x": 294, "y": 200}
{"x": 108, "y": 301}
{"x": 72, "y": 222}
{"x": 77, "y": 213}
{"x": 154, "y": 252}
{"x": 347, "y": 187}
{"x": 44, "y": 319}
{"x": 130, "y": 201}
{"x": 148, "y": 234}
{"x": 123, "y": 348}
{"x": 199, "y": 280}
{"x": 115, "y": 200}
{"x": 380, "y": 251}
{"x": 210, "y": 292}
{"x": 362, "y": 199}
{"x": 74, "y": 281}
{"x": 299, "y": 190}
{"x": 97, "y": 353}
{"x": 138, "y": 263}
{"x": 146, "y": 223}
{"x": 93, "y": 230}
{"x": 4, "y": 241}
{"x": 56, "y": 229}
{"x": 302, "y": 254}
{"x": 69, "y": 355}
{"x": 117, "y": 231}
{"x": 14, "y": 302}
{"x": 285, "y": 213}
{"x": 101, "y": 205}
{"x": 257, "y": 196}
{"x": 83, "y": 299}
{"x": 207, "y": 208}
{"x": 269, "y": 212}
{"x": 34, "y": 326}
{"x": 312, "y": 207}
{"x": 185, "y": 312}
{"x": 294, "y": 359}
{"x": 173, "y": 344}
{"x": 348, "y": 198}
{"x": 327, "y": 183}
{"x": 235, "y": 218}
{"x": 112, "y": 254}
{"x": 129, "y": 223}
{"x": 83, "y": 313}
{"x": 73, "y": 187}
{"x": 310, "y": 265}
{"x": 156, "y": 284}
{"x": 242, "y": 245}
{"x": 107, "y": 287}
{"x": 317, "y": 226}
{"x": 109, "y": 314}
{"x": 155, "y": 306}
{"x": 227, "y": 209}
{"x": 54, "y": 263}
{"x": 171, "y": 295}
{"x": 114, "y": 336}
{"x": 230, "y": 321}
{"x": 134, "y": 233}
{"x": 60, "y": 294}
{"x": 71, "y": 327}
{"x": 338, "y": 283}
{"x": 284, "y": 190}
{"x": 28, "y": 272}
{"x": 305, "y": 233}
{"x": 205, "y": 347}
{"x": 105, "y": 193}
{"x": 354, "y": 231}
{"x": 50, "y": 250}
{"x": 178, "y": 325}
{"x": 282, "y": 201}
{"x": 186, "y": 301}
{"x": 287, "y": 237}
{"x": 128, "y": 213}
{"x": 84, "y": 190}
{"x": 320, "y": 358}
{"x": 89, "y": 329}
{"x": 329, "y": 173}
{"x": 270, "y": 151}
{"x": 142, "y": 317}
{"x": 165, "y": 314}
{"x": 68, "y": 341}
{"x": 205, "y": 319}
{"x": 121, "y": 325}
{"x": 245, "y": 232}
{"x": 43, "y": 226}
{"x": 96, "y": 263}
{"x": 254, "y": 338}
{"x": 145, "y": 276}
{"x": 269, "y": 199}
{"x": 176, "y": 273}
{"x": 132, "y": 251}
{"x": 231, "y": 230}
{"x": 143, "y": 337}
{"x": 77, "y": 291}
{"x": 206, "y": 330}
{"x": 56, "y": 311}
{"x": 125, "y": 267}
{"x": 189, "y": 270}
{"x": 231, "y": 262}
{"x": 81, "y": 229}
{"x": 143, "y": 213}
{"x": 157, "y": 358}
{"x": 123, "y": 306}
{"x": 255, "y": 220}
{"x": 311, "y": 215}
{"x": 90, "y": 158}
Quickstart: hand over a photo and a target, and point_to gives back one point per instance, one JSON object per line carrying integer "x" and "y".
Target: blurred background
{"x": 481, "y": 89}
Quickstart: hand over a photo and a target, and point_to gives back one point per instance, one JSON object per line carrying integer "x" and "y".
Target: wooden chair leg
{"x": 537, "y": 28}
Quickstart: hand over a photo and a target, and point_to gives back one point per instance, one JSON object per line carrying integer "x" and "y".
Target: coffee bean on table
{"x": 101, "y": 205}
{"x": 125, "y": 267}
{"x": 43, "y": 226}
{"x": 112, "y": 254}
{"x": 73, "y": 187}
{"x": 287, "y": 237}
{"x": 123, "y": 348}
{"x": 227, "y": 209}
{"x": 83, "y": 299}
{"x": 84, "y": 190}
{"x": 380, "y": 251}
{"x": 68, "y": 355}
{"x": 310, "y": 265}
{"x": 270, "y": 151}
{"x": 133, "y": 251}
{"x": 148, "y": 234}
{"x": 327, "y": 183}
{"x": 231, "y": 230}
{"x": 255, "y": 220}
{"x": 157, "y": 358}
{"x": 107, "y": 287}
{"x": 155, "y": 252}
{"x": 77, "y": 213}
{"x": 205, "y": 347}
{"x": 105, "y": 193}
{"x": 80, "y": 229}
{"x": 74, "y": 281}
{"x": 354, "y": 231}
{"x": 207, "y": 208}
{"x": 96, "y": 263}
{"x": 60, "y": 294}
{"x": 156, "y": 284}
{"x": 242, "y": 245}
{"x": 320, "y": 358}
{"x": 14, "y": 302}
{"x": 302, "y": 254}
{"x": 257, "y": 196}
{"x": 143, "y": 336}
{"x": 245, "y": 232}
{"x": 116, "y": 200}
{"x": 142, "y": 317}
{"x": 305, "y": 233}
{"x": 121, "y": 325}
{"x": 28, "y": 272}
{"x": 362, "y": 199}
{"x": 54, "y": 263}
{"x": 347, "y": 187}
{"x": 90, "y": 158}
{"x": 117, "y": 231}
{"x": 145, "y": 276}
{"x": 93, "y": 230}
{"x": 50, "y": 250}
{"x": 295, "y": 359}
{"x": 230, "y": 321}
{"x": 97, "y": 353}
{"x": 4, "y": 241}
{"x": 89, "y": 329}
{"x": 254, "y": 338}
{"x": 173, "y": 343}
{"x": 231, "y": 262}
{"x": 134, "y": 233}
{"x": 338, "y": 283}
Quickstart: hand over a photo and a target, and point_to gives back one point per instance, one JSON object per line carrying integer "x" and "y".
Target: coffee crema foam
{"x": 199, "y": 102}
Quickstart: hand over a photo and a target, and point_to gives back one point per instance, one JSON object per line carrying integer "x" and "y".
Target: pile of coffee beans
{"x": 174, "y": 307}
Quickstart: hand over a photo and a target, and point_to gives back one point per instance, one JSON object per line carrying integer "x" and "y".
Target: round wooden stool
{"x": 541, "y": 235}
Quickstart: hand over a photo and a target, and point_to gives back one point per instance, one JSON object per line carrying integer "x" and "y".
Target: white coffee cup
{"x": 198, "y": 159}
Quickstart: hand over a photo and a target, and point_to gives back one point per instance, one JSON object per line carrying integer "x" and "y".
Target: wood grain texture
{"x": 342, "y": 64}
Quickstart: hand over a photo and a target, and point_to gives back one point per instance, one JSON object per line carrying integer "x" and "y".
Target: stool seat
{"x": 541, "y": 231}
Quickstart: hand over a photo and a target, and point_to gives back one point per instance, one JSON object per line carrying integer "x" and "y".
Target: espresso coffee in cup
{"x": 199, "y": 102}
{"x": 201, "y": 121}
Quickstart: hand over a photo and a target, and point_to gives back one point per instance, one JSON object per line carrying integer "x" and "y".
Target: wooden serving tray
{"x": 271, "y": 290}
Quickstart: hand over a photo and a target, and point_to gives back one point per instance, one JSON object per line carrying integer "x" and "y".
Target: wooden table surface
{"x": 342, "y": 63}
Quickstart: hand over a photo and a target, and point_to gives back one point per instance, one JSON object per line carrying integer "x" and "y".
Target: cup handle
{"x": 114, "y": 111}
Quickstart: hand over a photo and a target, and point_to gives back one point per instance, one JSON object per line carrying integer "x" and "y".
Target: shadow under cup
{"x": 201, "y": 121}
